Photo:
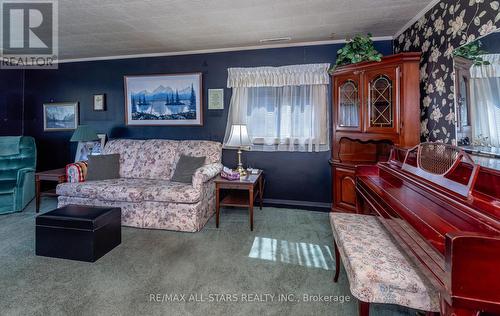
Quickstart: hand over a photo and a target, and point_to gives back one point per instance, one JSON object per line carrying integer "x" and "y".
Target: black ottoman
{"x": 78, "y": 232}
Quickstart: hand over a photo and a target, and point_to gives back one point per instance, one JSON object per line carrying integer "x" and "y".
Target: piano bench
{"x": 377, "y": 270}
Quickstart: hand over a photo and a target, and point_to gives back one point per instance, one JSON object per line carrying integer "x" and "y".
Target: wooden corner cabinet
{"x": 375, "y": 105}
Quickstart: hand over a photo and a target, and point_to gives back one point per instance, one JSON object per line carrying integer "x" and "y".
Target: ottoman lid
{"x": 78, "y": 216}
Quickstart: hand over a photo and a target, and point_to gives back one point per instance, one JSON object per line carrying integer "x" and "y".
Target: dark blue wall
{"x": 11, "y": 106}
{"x": 290, "y": 176}
{"x": 491, "y": 43}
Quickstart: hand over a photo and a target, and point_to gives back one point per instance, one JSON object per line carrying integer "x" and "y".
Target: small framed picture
{"x": 60, "y": 116}
{"x": 216, "y": 99}
{"x": 99, "y": 102}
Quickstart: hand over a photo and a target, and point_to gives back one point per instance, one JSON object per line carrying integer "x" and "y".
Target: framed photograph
{"x": 163, "y": 100}
{"x": 60, "y": 116}
{"x": 216, "y": 99}
{"x": 99, "y": 102}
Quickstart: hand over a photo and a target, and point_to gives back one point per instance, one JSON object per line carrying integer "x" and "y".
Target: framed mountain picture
{"x": 60, "y": 116}
{"x": 163, "y": 99}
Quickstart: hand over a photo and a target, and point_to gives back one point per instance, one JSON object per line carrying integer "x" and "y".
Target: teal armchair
{"x": 17, "y": 172}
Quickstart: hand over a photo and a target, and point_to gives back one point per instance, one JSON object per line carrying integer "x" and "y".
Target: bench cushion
{"x": 377, "y": 270}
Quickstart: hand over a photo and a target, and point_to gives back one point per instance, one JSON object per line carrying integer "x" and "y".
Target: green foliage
{"x": 357, "y": 50}
{"x": 472, "y": 52}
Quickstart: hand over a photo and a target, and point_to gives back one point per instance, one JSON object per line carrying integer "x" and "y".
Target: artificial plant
{"x": 358, "y": 49}
{"x": 472, "y": 52}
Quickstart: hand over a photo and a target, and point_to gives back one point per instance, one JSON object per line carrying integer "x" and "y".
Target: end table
{"x": 241, "y": 193}
{"x": 57, "y": 175}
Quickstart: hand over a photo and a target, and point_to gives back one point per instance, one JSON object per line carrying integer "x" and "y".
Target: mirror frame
{"x": 456, "y": 83}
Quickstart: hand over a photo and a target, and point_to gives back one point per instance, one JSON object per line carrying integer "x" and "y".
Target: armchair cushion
{"x": 7, "y": 186}
{"x": 9, "y": 145}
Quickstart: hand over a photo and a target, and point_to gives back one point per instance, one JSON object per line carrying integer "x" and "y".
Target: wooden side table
{"x": 57, "y": 175}
{"x": 241, "y": 193}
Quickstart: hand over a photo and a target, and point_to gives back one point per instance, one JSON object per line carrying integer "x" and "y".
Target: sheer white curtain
{"x": 285, "y": 108}
{"x": 485, "y": 93}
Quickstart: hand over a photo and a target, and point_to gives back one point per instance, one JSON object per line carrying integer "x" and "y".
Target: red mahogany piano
{"x": 444, "y": 212}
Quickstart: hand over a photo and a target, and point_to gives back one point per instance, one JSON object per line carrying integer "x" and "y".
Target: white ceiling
{"x": 99, "y": 28}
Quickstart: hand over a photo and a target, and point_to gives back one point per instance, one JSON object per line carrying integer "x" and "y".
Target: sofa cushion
{"x": 128, "y": 149}
{"x": 103, "y": 167}
{"x": 155, "y": 159}
{"x": 173, "y": 192}
{"x": 199, "y": 148}
{"x": 122, "y": 189}
{"x": 186, "y": 167}
{"x": 132, "y": 190}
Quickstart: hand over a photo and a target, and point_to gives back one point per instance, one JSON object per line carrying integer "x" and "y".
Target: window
{"x": 284, "y": 108}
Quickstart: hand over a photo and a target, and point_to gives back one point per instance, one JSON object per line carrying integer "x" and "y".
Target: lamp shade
{"x": 238, "y": 136}
{"x": 84, "y": 133}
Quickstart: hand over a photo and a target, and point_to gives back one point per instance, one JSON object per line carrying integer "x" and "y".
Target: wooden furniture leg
{"x": 337, "y": 263}
{"x": 217, "y": 206}
{"x": 250, "y": 207}
{"x": 37, "y": 193}
{"x": 261, "y": 191}
{"x": 364, "y": 308}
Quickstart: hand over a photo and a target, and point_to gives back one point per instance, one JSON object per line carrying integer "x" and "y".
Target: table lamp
{"x": 238, "y": 138}
{"x": 85, "y": 136}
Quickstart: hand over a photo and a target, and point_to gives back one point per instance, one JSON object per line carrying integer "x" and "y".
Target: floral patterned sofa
{"x": 377, "y": 270}
{"x": 144, "y": 192}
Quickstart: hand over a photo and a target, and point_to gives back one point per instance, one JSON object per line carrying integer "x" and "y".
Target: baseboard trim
{"x": 295, "y": 203}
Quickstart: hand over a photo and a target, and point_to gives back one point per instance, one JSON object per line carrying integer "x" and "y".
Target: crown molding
{"x": 217, "y": 50}
{"x": 417, "y": 17}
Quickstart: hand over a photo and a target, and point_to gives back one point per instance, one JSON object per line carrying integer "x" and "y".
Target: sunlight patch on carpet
{"x": 299, "y": 253}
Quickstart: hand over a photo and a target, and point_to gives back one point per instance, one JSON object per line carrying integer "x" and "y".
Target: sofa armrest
{"x": 25, "y": 188}
{"x": 76, "y": 172}
{"x": 206, "y": 173}
{"x": 22, "y": 176}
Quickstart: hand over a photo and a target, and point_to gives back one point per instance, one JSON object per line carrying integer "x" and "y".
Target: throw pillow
{"x": 103, "y": 167}
{"x": 186, "y": 167}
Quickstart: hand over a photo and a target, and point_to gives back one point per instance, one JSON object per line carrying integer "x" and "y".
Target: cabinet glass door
{"x": 382, "y": 100}
{"x": 348, "y": 113}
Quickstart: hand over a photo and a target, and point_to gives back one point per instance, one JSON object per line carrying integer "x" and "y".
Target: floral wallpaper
{"x": 448, "y": 25}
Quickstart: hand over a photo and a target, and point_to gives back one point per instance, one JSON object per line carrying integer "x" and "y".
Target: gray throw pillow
{"x": 103, "y": 167}
{"x": 186, "y": 166}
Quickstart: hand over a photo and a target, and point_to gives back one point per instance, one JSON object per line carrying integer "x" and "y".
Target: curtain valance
{"x": 308, "y": 74}
{"x": 487, "y": 71}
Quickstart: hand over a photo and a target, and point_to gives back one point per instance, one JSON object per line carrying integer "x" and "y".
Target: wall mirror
{"x": 477, "y": 95}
